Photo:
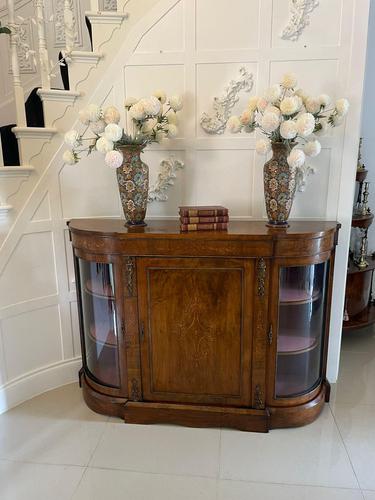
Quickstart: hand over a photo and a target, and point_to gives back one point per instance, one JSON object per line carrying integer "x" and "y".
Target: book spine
{"x": 204, "y": 227}
{"x": 204, "y": 220}
{"x": 203, "y": 213}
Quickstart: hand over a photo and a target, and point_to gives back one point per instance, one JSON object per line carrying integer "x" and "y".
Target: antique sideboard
{"x": 224, "y": 329}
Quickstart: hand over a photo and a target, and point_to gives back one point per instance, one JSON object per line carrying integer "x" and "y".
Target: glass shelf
{"x": 302, "y": 306}
{"x": 99, "y": 321}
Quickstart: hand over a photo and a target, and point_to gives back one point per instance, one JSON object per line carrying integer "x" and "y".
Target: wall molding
{"x": 37, "y": 382}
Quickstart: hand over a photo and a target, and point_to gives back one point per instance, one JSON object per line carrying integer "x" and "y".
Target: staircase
{"x": 34, "y": 142}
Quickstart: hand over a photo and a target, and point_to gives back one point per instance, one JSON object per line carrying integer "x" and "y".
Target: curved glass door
{"x": 97, "y": 293}
{"x": 302, "y": 308}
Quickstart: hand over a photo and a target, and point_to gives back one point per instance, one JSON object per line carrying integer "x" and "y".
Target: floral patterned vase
{"x": 279, "y": 186}
{"x": 132, "y": 178}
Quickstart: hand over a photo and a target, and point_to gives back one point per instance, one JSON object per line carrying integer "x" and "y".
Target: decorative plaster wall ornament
{"x": 62, "y": 25}
{"x": 302, "y": 175}
{"x": 216, "y": 123}
{"x": 23, "y": 34}
{"x": 299, "y": 18}
{"x": 166, "y": 176}
{"x": 110, "y": 5}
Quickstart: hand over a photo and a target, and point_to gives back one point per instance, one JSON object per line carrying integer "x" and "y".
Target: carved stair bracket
{"x": 130, "y": 275}
{"x": 258, "y": 397}
{"x": 261, "y": 277}
{"x": 216, "y": 122}
{"x": 299, "y": 18}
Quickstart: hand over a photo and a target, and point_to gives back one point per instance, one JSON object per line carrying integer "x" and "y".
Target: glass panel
{"x": 99, "y": 321}
{"x": 302, "y": 306}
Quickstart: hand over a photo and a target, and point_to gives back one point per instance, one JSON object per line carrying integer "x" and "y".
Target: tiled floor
{"x": 55, "y": 448}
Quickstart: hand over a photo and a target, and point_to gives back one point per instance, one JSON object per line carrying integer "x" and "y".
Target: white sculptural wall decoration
{"x": 299, "y": 18}
{"x": 215, "y": 123}
{"x": 165, "y": 179}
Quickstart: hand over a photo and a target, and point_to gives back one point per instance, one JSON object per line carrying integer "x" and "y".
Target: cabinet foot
{"x": 100, "y": 403}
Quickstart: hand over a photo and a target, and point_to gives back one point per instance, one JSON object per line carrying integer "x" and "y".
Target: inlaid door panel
{"x": 195, "y": 316}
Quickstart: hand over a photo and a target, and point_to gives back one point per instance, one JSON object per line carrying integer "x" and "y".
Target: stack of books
{"x": 204, "y": 218}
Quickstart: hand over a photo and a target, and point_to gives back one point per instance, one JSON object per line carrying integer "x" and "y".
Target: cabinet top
{"x": 171, "y": 229}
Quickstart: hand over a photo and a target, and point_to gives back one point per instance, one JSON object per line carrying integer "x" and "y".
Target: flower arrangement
{"x": 286, "y": 114}
{"x": 150, "y": 119}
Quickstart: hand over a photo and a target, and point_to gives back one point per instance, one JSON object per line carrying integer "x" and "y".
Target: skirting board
{"x": 28, "y": 386}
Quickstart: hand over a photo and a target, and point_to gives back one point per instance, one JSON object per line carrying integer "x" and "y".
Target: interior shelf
{"x": 99, "y": 290}
{"x": 101, "y": 335}
{"x": 295, "y": 344}
{"x": 293, "y": 296}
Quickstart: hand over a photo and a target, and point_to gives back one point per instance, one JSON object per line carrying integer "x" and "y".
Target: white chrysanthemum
{"x": 273, "y": 94}
{"x": 137, "y": 111}
{"x": 149, "y": 125}
{"x": 305, "y": 124}
{"x": 263, "y": 146}
{"x": 253, "y": 102}
{"x": 161, "y": 95}
{"x": 262, "y": 103}
{"x": 270, "y": 122}
{"x": 111, "y": 115}
{"x": 301, "y": 93}
{"x": 289, "y": 106}
{"x": 114, "y": 159}
{"x": 234, "y": 124}
{"x": 160, "y": 136}
{"x": 172, "y": 117}
{"x": 296, "y": 158}
{"x": 337, "y": 120}
{"x": 272, "y": 109}
{"x": 324, "y": 100}
{"x": 342, "y": 107}
{"x": 94, "y": 112}
{"x": 312, "y": 148}
{"x": 172, "y": 130}
{"x": 247, "y": 117}
{"x": 288, "y": 129}
{"x": 312, "y": 105}
{"x": 130, "y": 101}
{"x": 323, "y": 129}
{"x": 151, "y": 105}
{"x": 83, "y": 116}
{"x": 176, "y": 102}
{"x": 103, "y": 145}
{"x": 72, "y": 138}
{"x": 289, "y": 81}
{"x": 69, "y": 157}
{"x": 113, "y": 132}
{"x": 98, "y": 127}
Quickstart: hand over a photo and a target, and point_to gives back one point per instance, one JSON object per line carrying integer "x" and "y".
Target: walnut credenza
{"x": 224, "y": 329}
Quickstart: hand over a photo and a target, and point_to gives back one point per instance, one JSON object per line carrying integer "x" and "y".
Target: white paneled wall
{"x": 192, "y": 47}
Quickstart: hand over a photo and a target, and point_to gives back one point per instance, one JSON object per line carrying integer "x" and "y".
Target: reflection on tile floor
{"x": 54, "y": 448}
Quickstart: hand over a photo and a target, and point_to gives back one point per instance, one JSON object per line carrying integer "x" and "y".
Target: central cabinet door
{"x": 195, "y": 323}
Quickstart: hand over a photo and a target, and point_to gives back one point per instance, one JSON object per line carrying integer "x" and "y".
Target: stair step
{"x": 68, "y": 96}
{"x": 85, "y": 56}
{"x": 16, "y": 171}
{"x": 34, "y": 132}
{"x": 106, "y": 17}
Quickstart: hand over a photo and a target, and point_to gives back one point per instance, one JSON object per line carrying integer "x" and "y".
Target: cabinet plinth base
{"x": 197, "y": 416}
{"x": 101, "y": 403}
{"x": 297, "y": 416}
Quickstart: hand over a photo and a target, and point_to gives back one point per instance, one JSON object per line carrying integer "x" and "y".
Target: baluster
{"x": 19, "y": 95}
{"x": 69, "y": 25}
{"x": 1, "y": 156}
{"x": 42, "y": 44}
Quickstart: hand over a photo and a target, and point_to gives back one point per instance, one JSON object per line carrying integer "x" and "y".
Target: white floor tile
{"x": 357, "y": 427}
{"x": 55, "y": 428}
{"x": 21, "y": 481}
{"x": 362, "y": 340}
{"x": 240, "y": 490}
{"x": 100, "y": 484}
{"x": 356, "y": 382}
{"x": 311, "y": 455}
{"x": 159, "y": 449}
{"x": 369, "y": 495}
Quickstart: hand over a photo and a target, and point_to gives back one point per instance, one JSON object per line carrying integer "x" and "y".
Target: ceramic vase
{"x": 133, "y": 181}
{"x": 279, "y": 186}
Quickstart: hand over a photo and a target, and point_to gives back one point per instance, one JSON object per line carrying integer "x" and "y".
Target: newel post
{"x": 42, "y": 44}
{"x": 19, "y": 96}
